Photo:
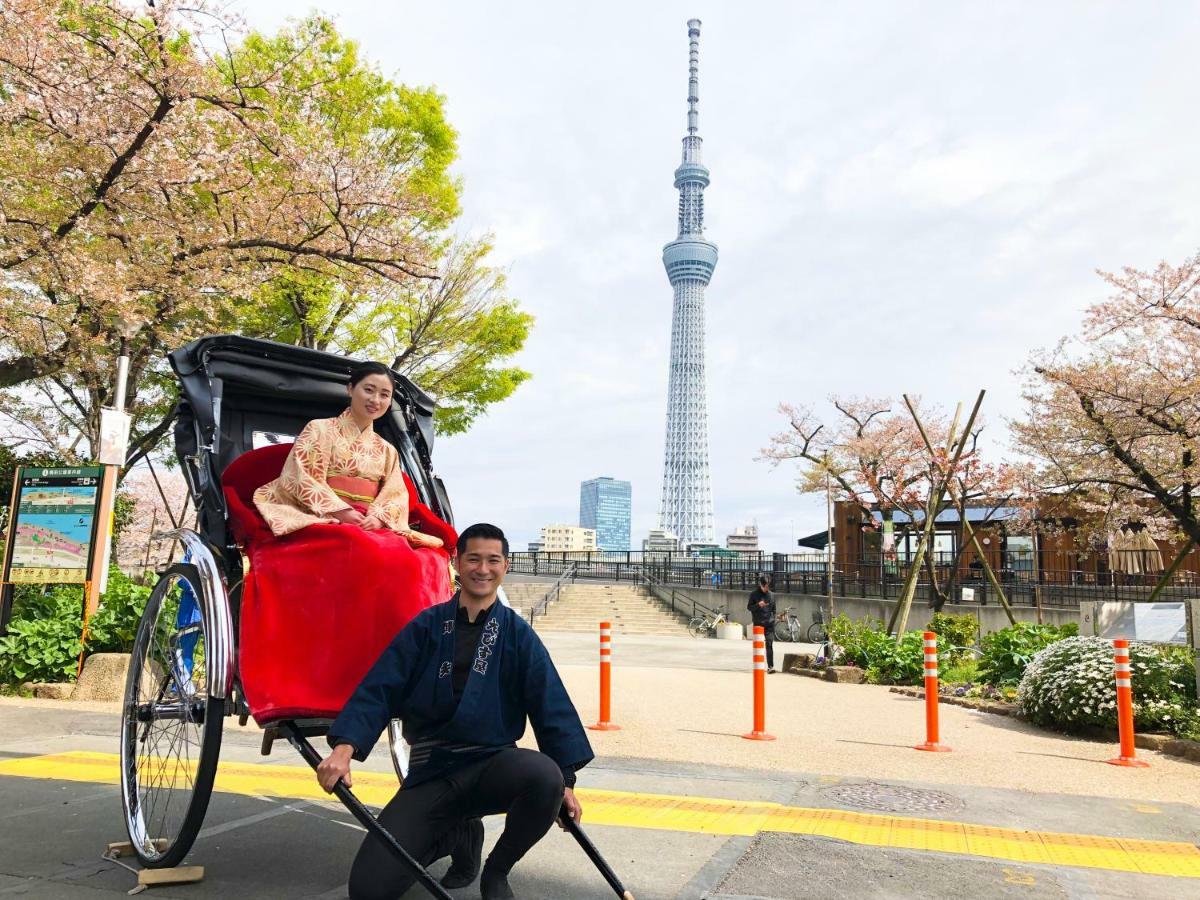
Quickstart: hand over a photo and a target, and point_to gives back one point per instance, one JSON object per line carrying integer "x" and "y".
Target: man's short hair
{"x": 764, "y": 580}
{"x": 484, "y": 531}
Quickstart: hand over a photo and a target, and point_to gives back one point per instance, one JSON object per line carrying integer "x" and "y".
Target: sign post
{"x": 53, "y": 529}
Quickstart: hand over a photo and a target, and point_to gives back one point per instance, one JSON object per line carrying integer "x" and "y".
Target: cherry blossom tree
{"x": 158, "y": 502}
{"x": 1113, "y": 416}
{"x": 159, "y": 168}
{"x": 890, "y": 456}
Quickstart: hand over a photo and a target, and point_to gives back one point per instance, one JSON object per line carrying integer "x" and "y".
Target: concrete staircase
{"x": 631, "y": 608}
{"x": 524, "y": 594}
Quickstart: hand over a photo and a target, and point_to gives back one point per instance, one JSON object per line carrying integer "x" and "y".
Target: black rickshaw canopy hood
{"x": 237, "y": 393}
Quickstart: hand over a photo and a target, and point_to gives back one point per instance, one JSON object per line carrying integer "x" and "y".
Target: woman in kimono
{"x": 340, "y": 470}
{"x": 344, "y": 548}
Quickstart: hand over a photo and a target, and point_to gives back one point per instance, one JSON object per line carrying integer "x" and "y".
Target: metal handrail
{"x": 551, "y": 595}
{"x": 697, "y": 608}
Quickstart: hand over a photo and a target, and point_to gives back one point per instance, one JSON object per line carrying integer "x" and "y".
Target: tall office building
{"x": 687, "y": 507}
{"x": 606, "y": 505}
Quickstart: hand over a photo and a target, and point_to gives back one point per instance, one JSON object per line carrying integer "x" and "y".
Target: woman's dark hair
{"x": 485, "y": 532}
{"x": 363, "y": 369}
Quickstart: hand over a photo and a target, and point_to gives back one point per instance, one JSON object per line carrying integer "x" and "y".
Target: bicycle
{"x": 787, "y": 626}
{"x": 706, "y": 624}
{"x": 816, "y": 631}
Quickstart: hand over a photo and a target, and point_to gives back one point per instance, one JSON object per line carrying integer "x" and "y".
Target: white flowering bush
{"x": 1070, "y": 684}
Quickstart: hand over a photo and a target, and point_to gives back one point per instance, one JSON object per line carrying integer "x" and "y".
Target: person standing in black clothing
{"x": 762, "y": 610}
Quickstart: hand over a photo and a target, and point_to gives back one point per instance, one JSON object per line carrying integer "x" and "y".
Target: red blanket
{"x": 321, "y": 604}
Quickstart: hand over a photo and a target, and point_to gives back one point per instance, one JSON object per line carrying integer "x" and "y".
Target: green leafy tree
{"x": 451, "y": 335}
{"x": 158, "y": 168}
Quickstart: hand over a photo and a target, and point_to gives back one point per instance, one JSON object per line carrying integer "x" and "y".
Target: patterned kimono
{"x": 334, "y": 450}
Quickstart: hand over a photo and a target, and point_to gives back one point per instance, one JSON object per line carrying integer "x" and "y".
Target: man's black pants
{"x": 430, "y": 818}
{"x": 769, "y": 637}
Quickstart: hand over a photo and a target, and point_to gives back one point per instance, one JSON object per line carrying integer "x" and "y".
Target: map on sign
{"x": 54, "y": 526}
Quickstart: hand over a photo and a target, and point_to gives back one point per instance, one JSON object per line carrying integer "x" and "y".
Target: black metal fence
{"x": 1023, "y": 582}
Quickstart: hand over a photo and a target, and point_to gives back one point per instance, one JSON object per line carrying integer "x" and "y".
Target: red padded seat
{"x": 319, "y": 605}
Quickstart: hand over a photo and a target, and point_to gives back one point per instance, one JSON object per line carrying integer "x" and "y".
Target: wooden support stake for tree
{"x": 1171, "y": 570}
{"x": 961, "y": 503}
{"x": 987, "y": 568}
{"x": 937, "y": 495}
{"x": 910, "y": 584}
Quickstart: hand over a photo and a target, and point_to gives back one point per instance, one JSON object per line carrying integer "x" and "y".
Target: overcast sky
{"x": 906, "y": 196}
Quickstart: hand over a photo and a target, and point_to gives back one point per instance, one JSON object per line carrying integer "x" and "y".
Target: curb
{"x": 1163, "y": 743}
{"x": 996, "y": 707}
{"x": 832, "y": 674}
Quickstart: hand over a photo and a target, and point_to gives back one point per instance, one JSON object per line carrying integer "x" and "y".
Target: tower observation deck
{"x": 687, "y": 508}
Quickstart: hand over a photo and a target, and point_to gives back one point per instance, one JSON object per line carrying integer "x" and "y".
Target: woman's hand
{"x": 349, "y": 516}
{"x": 420, "y": 539}
{"x": 372, "y": 523}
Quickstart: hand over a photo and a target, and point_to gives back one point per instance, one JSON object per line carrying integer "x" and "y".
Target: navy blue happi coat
{"x": 511, "y": 678}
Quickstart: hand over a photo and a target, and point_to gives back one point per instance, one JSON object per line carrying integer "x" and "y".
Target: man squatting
{"x": 463, "y": 676}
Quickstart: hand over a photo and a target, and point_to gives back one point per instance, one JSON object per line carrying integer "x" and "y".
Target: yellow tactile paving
{"x": 709, "y": 815}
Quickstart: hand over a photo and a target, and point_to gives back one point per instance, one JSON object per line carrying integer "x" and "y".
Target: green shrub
{"x": 1007, "y": 652}
{"x": 852, "y": 635}
{"x": 1070, "y": 684}
{"x": 113, "y": 627}
{"x": 866, "y": 644}
{"x": 954, "y": 632}
{"x": 1183, "y": 668}
{"x": 964, "y": 671}
{"x": 902, "y": 663}
{"x": 42, "y": 643}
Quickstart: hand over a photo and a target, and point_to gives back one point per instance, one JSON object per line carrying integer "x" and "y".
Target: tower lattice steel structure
{"x": 687, "y": 508}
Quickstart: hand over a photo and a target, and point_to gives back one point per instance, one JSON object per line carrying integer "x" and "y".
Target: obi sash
{"x": 358, "y": 492}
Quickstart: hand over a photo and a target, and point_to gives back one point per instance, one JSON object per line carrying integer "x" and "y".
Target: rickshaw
{"x": 208, "y": 646}
{"x": 242, "y": 401}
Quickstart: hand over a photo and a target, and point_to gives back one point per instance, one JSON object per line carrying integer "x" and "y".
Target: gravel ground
{"x": 865, "y": 731}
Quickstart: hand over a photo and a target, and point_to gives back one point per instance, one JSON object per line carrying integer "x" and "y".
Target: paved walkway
{"x": 687, "y": 715}
{"x": 682, "y": 807}
{"x": 704, "y": 815}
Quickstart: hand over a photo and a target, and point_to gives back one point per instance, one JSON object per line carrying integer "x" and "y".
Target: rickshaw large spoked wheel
{"x": 170, "y": 726}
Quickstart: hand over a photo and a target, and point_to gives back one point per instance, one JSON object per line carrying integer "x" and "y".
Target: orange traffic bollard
{"x": 1124, "y": 675}
{"x": 760, "y": 688}
{"x": 605, "y": 681}
{"x": 931, "y": 697}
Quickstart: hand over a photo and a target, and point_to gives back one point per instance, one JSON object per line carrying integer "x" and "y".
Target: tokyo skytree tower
{"x": 687, "y": 508}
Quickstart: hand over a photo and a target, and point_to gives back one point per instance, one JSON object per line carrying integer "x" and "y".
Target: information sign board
{"x": 52, "y": 529}
{"x": 1159, "y": 623}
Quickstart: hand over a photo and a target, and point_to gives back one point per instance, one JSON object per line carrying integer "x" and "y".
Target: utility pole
{"x": 114, "y": 442}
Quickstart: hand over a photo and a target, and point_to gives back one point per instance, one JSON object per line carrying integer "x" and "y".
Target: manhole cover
{"x": 891, "y": 797}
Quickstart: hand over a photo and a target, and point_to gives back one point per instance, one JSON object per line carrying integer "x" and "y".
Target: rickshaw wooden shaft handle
{"x": 360, "y": 812}
{"x": 594, "y": 855}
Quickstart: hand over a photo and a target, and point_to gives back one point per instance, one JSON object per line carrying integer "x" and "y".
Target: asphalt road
{"x": 54, "y": 832}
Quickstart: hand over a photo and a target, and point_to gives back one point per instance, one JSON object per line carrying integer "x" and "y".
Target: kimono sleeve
{"x": 391, "y": 506}
{"x": 303, "y": 475}
{"x": 556, "y": 724}
{"x": 380, "y": 696}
